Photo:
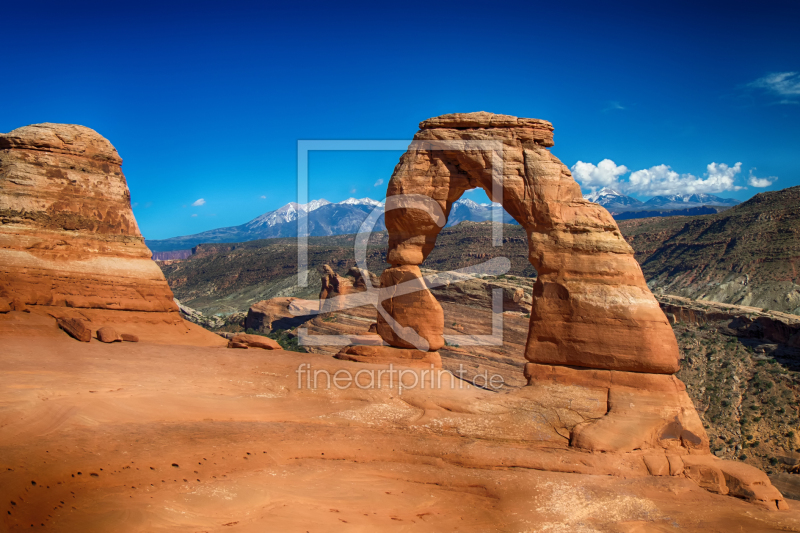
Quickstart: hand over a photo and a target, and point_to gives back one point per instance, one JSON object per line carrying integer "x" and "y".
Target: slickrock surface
{"x": 141, "y": 437}
{"x": 387, "y": 354}
{"x": 69, "y": 243}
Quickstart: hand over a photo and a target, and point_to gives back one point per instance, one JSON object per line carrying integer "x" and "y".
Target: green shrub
{"x": 287, "y": 341}
{"x": 250, "y": 331}
{"x": 742, "y": 457}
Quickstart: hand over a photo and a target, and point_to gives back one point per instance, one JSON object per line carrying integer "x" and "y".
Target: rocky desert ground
{"x": 119, "y": 415}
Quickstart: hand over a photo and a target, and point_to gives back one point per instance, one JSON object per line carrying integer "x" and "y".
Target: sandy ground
{"x": 148, "y": 437}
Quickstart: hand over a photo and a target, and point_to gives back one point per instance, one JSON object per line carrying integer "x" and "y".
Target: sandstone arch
{"x": 592, "y": 307}
{"x": 597, "y": 337}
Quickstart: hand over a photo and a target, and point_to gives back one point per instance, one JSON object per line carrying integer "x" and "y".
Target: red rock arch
{"x": 591, "y": 305}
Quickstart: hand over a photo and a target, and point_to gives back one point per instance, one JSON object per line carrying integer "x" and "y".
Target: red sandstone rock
{"x": 633, "y": 410}
{"x": 675, "y": 465}
{"x": 76, "y": 328}
{"x": 417, "y": 310}
{"x": 272, "y": 314}
{"x": 705, "y": 474}
{"x": 657, "y": 465}
{"x": 240, "y": 345}
{"x": 5, "y": 306}
{"x": 359, "y": 283}
{"x": 108, "y": 334}
{"x": 385, "y": 355}
{"x": 333, "y": 284}
{"x": 68, "y": 237}
{"x": 256, "y": 341}
{"x": 127, "y": 337}
{"x": 734, "y": 478}
{"x": 595, "y": 327}
{"x": 591, "y": 305}
{"x": 68, "y": 224}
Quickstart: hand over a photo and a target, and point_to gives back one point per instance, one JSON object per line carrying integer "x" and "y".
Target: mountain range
{"x": 326, "y": 218}
{"x": 617, "y": 202}
{"x": 746, "y": 255}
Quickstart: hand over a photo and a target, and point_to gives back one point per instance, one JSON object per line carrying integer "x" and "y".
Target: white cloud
{"x": 378, "y": 183}
{"x": 753, "y": 181}
{"x": 194, "y": 215}
{"x": 605, "y": 174}
{"x": 263, "y": 197}
{"x": 782, "y": 83}
{"x": 660, "y": 179}
{"x": 198, "y": 202}
{"x": 135, "y": 204}
{"x": 353, "y": 190}
{"x": 614, "y": 106}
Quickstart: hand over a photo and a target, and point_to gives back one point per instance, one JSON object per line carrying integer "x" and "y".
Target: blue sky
{"x": 208, "y": 100}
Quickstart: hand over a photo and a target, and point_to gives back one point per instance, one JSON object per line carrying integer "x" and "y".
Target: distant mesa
{"x": 70, "y": 247}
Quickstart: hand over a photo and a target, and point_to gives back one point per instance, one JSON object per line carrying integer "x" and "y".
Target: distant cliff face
{"x": 746, "y": 255}
{"x": 68, "y": 237}
{"x": 176, "y": 255}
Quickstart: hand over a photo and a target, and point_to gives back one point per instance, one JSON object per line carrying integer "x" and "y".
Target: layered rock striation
{"x": 69, "y": 242}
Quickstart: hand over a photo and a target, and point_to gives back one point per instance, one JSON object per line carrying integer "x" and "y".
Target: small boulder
{"x": 108, "y": 334}
{"x": 657, "y": 465}
{"x": 255, "y": 341}
{"x": 127, "y": 337}
{"x": 5, "y": 306}
{"x": 232, "y": 344}
{"x": 19, "y": 305}
{"x": 706, "y": 474}
{"x": 75, "y": 328}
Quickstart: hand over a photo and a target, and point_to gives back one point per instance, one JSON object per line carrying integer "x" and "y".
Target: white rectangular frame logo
{"x": 304, "y": 147}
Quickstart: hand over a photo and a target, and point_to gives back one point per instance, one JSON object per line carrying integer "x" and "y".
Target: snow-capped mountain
{"x": 324, "y": 218}
{"x": 617, "y": 202}
{"x": 287, "y": 213}
{"x": 682, "y": 201}
{"x": 466, "y": 209}
{"x": 613, "y": 200}
{"x": 363, "y": 201}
